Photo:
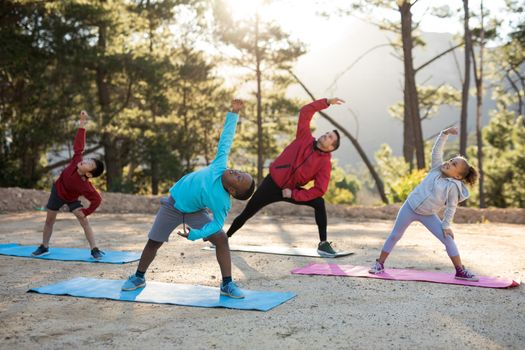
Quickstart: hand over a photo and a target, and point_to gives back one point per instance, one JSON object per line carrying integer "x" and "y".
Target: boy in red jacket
{"x": 305, "y": 159}
{"x": 72, "y": 183}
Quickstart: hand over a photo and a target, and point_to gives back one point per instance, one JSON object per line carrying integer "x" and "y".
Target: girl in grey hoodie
{"x": 444, "y": 186}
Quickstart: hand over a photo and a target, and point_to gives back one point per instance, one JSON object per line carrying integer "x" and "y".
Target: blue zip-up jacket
{"x": 437, "y": 190}
{"x": 203, "y": 188}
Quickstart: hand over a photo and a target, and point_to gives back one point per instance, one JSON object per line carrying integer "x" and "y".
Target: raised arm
{"x": 437, "y": 150}
{"x": 228, "y": 132}
{"x": 307, "y": 112}
{"x": 80, "y": 139}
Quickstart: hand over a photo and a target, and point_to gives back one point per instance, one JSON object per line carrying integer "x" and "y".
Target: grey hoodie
{"x": 436, "y": 190}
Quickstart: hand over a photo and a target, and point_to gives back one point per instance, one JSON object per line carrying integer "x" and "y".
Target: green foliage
{"x": 399, "y": 180}
{"x": 156, "y": 107}
{"x": 430, "y": 100}
{"x": 267, "y": 52}
{"x": 343, "y": 187}
{"x": 504, "y": 160}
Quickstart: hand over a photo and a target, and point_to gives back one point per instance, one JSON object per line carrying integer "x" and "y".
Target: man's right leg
{"x": 268, "y": 192}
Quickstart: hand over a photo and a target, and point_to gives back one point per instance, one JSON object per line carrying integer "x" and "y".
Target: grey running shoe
{"x": 231, "y": 290}
{"x": 133, "y": 283}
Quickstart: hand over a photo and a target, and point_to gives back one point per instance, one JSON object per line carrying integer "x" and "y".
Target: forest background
{"x": 158, "y": 76}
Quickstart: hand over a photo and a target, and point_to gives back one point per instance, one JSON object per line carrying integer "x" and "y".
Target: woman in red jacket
{"x": 305, "y": 159}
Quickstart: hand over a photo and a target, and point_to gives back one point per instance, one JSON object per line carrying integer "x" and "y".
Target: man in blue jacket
{"x": 208, "y": 188}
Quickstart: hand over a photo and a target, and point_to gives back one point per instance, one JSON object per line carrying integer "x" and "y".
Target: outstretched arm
{"x": 207, "y": 230}
{"x": 94, "y": 201}
{"x": 450, "y": 208}
{"x": 437, "y": 150}
{"x": 307, "y": 112}
{"x": 228, "y": 132}
{"x": 80, "y": 138}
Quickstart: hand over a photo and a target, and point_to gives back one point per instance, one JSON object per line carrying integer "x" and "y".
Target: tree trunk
{"x": 463, "y": 132}
{"x": 260, "y": 159}
{"x": 111, "y": 153}
{"x": 478, "y": 74}
{"x": 186, "y": 153}
{"x": 408, "y": 139}
{"x": 362, "y": 154}
{"x": 410, "y": 91}
{"x": 154, "y": 162}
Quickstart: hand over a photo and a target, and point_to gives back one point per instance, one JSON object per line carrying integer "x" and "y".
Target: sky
{"x": 301, "y": 17}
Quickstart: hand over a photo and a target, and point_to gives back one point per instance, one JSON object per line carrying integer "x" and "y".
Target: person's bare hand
{"x": 184, "y": 233}
{"x": 451, "y": 131}
{"x": 237, "y": 105}
{"x": 448, "y": 232}
{"x": 335, "y": 101}
{"x": 83, "y": 118}
{"x": 287, "y": 193}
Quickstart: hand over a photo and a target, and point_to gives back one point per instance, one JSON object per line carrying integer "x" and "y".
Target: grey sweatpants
{"x": 168, "y": 218}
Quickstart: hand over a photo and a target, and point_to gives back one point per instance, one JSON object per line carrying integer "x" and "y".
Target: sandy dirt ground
{"x": 328, "y": 312}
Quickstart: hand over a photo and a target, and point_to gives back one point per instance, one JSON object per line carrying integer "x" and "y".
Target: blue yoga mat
{"x": 69, "y": 254}
{"x": 165, "y": 293}
{"x": 8, "y": 245}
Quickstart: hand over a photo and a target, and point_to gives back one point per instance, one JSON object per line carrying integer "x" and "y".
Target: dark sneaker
{"x": 325, "y": 249}
{"x": 231, "y": 290}
{"x": 465, "y": 275}
{"x": 40, "y": 251}
{"x": 377, "y": 268}
{"x": 133, "y": 283}
{"x": 97, "y": 253}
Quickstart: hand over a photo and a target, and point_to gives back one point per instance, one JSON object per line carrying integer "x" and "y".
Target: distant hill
{"x": 375, "y": 83}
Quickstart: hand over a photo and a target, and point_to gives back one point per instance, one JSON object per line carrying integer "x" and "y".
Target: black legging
{"x": 268, "y": 192}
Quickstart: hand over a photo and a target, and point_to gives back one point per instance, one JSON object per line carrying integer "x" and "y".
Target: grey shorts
{"x": 168, "y": 218}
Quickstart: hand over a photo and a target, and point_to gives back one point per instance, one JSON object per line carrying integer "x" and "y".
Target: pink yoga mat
{"x": 402, "y": 275}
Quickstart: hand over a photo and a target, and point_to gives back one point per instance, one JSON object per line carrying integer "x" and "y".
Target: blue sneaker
{"x": 231, "y": 290}
{"x": 133, "y": 283}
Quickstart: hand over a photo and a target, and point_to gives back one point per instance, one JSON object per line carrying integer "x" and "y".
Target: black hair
{"x": 338, "y": 141}
{"x": 470, "y": 175}
{"x": 247, "y": 194}
{"x": 99, "y": 168}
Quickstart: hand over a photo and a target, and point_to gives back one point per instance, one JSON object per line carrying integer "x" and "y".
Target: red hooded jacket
{"x": 70, "y": 185}
{"x": 301, "y": 162}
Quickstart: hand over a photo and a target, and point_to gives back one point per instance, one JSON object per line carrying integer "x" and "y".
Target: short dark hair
{"x": 99, "y": 168}
{"x": 336, "y": 142}
{"x": 247, "y": 194}
{"x": 470, "y": 175}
